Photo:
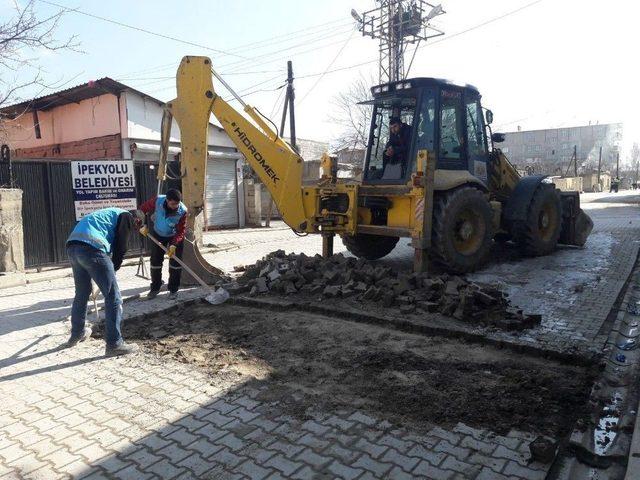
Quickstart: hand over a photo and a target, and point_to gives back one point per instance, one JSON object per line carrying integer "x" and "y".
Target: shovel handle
{"x": 175, "y": 257}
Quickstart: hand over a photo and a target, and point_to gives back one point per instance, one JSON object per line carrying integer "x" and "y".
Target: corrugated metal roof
{"x": 72, "y": 95}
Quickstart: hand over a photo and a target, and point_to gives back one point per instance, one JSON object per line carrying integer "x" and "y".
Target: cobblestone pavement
{"x": 74, "y": 413}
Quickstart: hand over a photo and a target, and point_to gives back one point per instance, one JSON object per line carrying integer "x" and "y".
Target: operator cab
{"x": 424, "y": 114}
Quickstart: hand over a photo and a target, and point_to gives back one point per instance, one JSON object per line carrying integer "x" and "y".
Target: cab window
{"x": 475, "y": 131}
{"x": 390, "y": 146}
{"x": 451, "y": 125}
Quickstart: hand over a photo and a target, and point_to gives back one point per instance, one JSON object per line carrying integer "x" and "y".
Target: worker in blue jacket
{"x": 95, "y": 249}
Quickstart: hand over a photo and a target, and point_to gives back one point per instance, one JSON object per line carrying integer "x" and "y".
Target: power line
{"x": 328, "y": 67}
{"x": 239, "y": 63}
{"x": 286, "y": 36}
{"x": 139, "y": 29}
{"x": 480, "y": 25}
{"x": 237, "y": 72}
{"x": 349, "y": 67}
{"x": 310, "y": 29}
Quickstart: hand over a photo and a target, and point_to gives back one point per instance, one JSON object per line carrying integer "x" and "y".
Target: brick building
{"x": 106, "y": 119}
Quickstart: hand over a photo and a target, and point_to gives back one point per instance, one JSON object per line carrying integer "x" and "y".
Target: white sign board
{"x": 103, "y": 183}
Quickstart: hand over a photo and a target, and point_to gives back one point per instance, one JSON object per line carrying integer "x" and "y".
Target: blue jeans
{"x": 89, "y": 264}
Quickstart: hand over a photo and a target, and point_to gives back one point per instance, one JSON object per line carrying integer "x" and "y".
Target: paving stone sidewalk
{"x": 73, "y": 413}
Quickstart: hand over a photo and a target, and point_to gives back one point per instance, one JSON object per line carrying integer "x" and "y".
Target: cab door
{"x": 476, "y": 140}
{"x": 452, "y": 154}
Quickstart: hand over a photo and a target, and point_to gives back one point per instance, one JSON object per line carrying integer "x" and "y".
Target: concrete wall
{"x": 568, "y": 184}
{"x": 590, "y": 182}
{"x": 11, "y": 234}
{"x": 252, "y": 203}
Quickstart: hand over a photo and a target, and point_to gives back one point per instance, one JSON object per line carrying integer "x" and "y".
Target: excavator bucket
{"x": 576, "y": 225}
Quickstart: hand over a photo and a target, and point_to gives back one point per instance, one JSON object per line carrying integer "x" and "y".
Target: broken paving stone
{"x": 428, "y": 306}
{"x": 347, "y": 292}
{"x": 451, "y": 288}
{"x": 360, "y": 287}
{"x": 331, "y": 275}
{"x": 388, "y": 299}
{"x": 274, "y": 275}
{"x": 372, "y": 293}
{"x": 261, "y": 285}
{"x": 404, "y": 300}
{"x": 340, "y": 276}
{"x": 289, "y": 288}
{"x": 408, "y": 308}
{"x": 331, "y": 291}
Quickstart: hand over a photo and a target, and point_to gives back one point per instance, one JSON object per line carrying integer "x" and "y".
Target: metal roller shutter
{"x": 221, "y": 195}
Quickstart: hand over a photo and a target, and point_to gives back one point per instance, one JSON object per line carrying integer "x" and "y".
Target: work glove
{"x": 171, "y": 251}
{"x": 144, "y": 231}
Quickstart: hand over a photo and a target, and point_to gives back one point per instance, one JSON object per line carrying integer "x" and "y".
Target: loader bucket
{"x": 576, "y": 225}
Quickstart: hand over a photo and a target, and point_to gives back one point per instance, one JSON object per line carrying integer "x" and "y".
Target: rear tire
{"x": 371, "y": 247}
{"x": 462, "y": 230}
{"x": 538, "y": 234}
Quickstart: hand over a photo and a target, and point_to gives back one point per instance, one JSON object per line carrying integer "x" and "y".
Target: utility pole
{"x": 291, "y": 96}
{"x": 575, "y": 160}
{"x": 398, "y": 24}
{"x": 618, "y": 165}
{"x": 599, "y": 165}
{"x": 288, "y": 105}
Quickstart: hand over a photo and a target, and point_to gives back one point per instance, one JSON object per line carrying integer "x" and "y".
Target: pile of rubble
{"x": 365, "y": 281}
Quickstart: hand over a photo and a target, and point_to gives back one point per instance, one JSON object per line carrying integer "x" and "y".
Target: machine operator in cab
{"x": 394, "y": 160}
{"x": 169, "y": 217}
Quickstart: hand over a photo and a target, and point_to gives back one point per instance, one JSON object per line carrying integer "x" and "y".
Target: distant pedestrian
{"x": 96, "y": 236}
{"x": 169, "y": 217}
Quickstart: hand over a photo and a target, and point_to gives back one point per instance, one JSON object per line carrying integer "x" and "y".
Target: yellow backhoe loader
{"x": 431, "y": 174}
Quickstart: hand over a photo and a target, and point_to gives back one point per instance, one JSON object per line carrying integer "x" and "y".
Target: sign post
{"x": 103, "y": 183}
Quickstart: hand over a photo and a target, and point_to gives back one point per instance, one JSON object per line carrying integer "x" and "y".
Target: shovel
{"x": 215, "y": 297}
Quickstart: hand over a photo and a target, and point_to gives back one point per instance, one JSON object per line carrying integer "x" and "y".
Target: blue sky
{"x": 556, "y": 63}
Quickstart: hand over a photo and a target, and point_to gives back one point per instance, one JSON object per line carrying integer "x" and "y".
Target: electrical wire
{"x": 328, "y": 67}
{"x": 264, "y": 41}
{"x": 139, "y": 29}
{"x": 239, "y": 63}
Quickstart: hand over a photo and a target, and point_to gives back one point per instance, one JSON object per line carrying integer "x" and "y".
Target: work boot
{"x": 74, "y": 340}
{"x": 173, "y": 295}
{"x": 152, "y": 294}
{"x": 122, "y": 349}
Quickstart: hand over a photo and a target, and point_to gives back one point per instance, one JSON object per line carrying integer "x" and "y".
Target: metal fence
{"x": 48, "y": 213}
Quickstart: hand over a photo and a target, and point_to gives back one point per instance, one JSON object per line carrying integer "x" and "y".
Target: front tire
{"x": 371, "y": 247}
{"x": 538, "y": 234}
{"x": 462, "y": 230}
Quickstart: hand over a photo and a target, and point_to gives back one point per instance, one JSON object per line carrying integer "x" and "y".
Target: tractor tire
{"x": 371, "y": 247}
{"x": 538, "y": 234}
{"x": 462, "y": 230}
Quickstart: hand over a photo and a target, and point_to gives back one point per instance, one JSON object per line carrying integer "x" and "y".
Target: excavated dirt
{"x": 313, "y": 362}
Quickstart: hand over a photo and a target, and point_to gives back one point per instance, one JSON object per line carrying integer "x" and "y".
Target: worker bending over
{"x": 97, "y": 235}
{"x": 169, "y": 217}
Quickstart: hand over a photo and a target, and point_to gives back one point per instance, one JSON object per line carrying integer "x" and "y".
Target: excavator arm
{"x": 275, "y": 162}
